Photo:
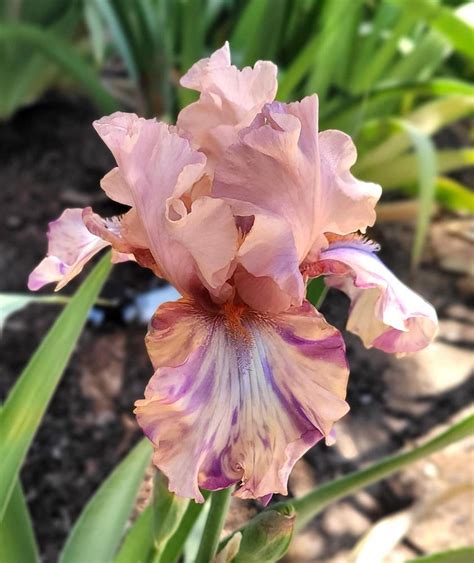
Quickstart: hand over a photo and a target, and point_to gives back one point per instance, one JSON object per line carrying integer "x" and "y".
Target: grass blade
{"x": 29, "y": 398}
{"x": 97, "y": 532}
{"x": 175, "y": 545}
{"x": 61, "y": 53}
{"x": 138, "y": 543}
{"x": 446, "y": 22}
{"x": 460, "y": 555}
{"x": 312, "y": 503}
{"x": 17, "y": 540}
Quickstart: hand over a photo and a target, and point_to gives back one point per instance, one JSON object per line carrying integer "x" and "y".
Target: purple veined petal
{"x": 238, "y": 396}
{"x": 70, "y": 247}
{"x": 385, "y": 313}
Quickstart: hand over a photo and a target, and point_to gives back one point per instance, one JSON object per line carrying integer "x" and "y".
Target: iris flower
{"x": 238, "y": 206}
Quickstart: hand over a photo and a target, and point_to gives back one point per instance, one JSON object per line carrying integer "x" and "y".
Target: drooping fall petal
{"x": 230, "y": 99}
{"x": 385, "y": 313}
{"x": 70, "y": 247}
{"x": 281, "y": 166}
{"x": 237, "y": 396}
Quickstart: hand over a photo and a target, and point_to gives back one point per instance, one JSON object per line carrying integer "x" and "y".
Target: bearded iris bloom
{"x": 238, "y": 206}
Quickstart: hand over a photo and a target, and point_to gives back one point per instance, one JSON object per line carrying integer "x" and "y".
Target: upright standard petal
{"x": 192, "y": 241}
{"x": 70, "y": 247}
{"x": 385, "y": 313}
{"x": 238, "y": 396}
{"x": 280, "y": 165}
{"x": 230, "y": 99}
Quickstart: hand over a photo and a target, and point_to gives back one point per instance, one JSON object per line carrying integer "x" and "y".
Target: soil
{"x": 51, "y": 159}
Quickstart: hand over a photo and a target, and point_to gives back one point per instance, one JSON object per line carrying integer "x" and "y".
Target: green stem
{"x": 311, "y": 504}
{"x": 215, "y": 521}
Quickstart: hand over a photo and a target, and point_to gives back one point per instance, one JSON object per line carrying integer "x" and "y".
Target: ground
{"x": 51, "y": 159}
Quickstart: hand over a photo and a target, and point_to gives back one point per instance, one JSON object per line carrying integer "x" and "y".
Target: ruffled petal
{"x": 239, "y": 397}
{"x": 280, "y": 165}
{"x": 193, "y": 239}
{"x": 268, "y": 278}
{"x": 385, "y": 313}
{"x": 230, "y": 99}
{"x": 70, "y": 246}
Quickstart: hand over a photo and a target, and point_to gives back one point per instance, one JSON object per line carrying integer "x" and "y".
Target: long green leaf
{"x": 175, "y": 545}
{"x": 97, "y": 532}
{"x": 446, "y": 21}
{"x": 312, "y": 503}
{"x": 402, "y": 170}
{"x": 192, "y": 42}
{"x": 429, "y": 118}
{"x": 460, "y": 555}
{"x": 17, "y": 540}
{"x": 61, "y": 53}
{"x": 138, "y": 543}
{"x": 29, "y": 398}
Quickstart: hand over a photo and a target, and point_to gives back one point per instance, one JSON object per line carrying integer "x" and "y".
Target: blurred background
{"x": 394, "y": 74}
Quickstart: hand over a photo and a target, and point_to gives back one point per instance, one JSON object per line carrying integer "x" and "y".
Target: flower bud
{"x": 267, "y": 536}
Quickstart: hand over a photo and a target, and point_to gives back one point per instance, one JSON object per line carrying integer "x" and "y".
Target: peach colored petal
{"x": 239, "y": 397}
{"x": 193, "y": 239}
{"x": 230, "y": 99}
{"x": 70, "y": 247}
{"x": 269, "y": 278}
{"x": 280, "y": 165}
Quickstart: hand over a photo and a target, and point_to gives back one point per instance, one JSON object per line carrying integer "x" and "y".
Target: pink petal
{"x": 385, "y": 313}
{"x": 230, "y": 99}
{"x": 238, "y": 396}
{"x": 70, "y": 247}
{"x": 192, "y": 242}
{"x": 269, "y": 278}
{"x": 281, "y": 166}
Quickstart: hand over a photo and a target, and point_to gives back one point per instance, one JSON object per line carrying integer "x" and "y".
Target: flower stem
{"x": 215, "y": 521}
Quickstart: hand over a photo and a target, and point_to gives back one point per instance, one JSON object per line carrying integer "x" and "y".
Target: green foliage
{"x": 17, "y": 540}
{"x": 29, "y": 398}
{"x": 97, "y": 533}
{"x": 461, "y": 555}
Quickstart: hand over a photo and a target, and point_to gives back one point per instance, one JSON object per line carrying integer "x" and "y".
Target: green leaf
{"x": 257, "y": 33}
{"x": 446, "y": 21}
{"x": 335, "y": 42}
{"x": 168, "y": 511}
{"x": 460, "y": 555}
{"x": 192, "y": 47}
{"x": 453, "y": 195}
{"x": 12, "y": 302}
{"x": 138, "y": 543}
{"x": 97, "y": 532}
{"x": 311, "y": 504}
{"x": 17, "y": 540}
{"x": 122, "y": 39}
{"x": 428, "y": 119}
{"x": 316, "y": 291}
{"x": 220, "y": 501}
{"x": 61, "y": 53}
{"x": 29, "y": 398}
{"x": 175, "y": 545}
{"x": 402, "y": 170}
